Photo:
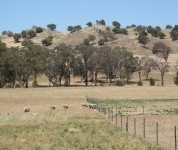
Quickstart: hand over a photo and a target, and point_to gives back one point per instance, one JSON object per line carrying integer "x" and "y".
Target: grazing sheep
{"x": 92, "y": 106}
{"x": 53, "y": 108}
{"x": 8, "y": 114}
{"x": 27, "y": 109}
{"x": 65, "y": 106}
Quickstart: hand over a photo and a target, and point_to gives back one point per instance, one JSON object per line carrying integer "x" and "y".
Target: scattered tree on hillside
{"x": 24, "y": 34}
{"x": 116, "y": 24}
{"x": 52, "y": 27}
{"x": 47, "y": 41}
{"x": 31, "y": 34}
{"x": 89, "y": 24}
{"x": 174, "y": 33}
{"x": 168, "y": 27}
{"x": 161, "y": 50}
{"x": 16, "y": 37}
{"x": 143, "y": 39}
{"x": 39, "y": 30}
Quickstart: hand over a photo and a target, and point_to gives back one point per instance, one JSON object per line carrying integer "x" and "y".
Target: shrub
{"x": 31, "y": 34}
{"x": 4, "y": 33}
{"x": 47, "y": 41}
{"x": 133, "y": 26}
{"x": 16, "y": 37}
{"x": 161, "y": 35}
{"x": 116, "y": 24}
{"x": 115, "y": 30}
{"x": 140, "y": 83}
{"x": 52, "y": 27}
{"x": 9, "y": 33}
{"x": 102, "y": 22}
{"x": 174, "y": 33}
{"x": 119, "y": 83}
{"x": 168, "y": 27}
{"x": 101, "y": 42}
{"x": 24, "y": 34}
{"x": 89, "y": 24}
{"x": 39, "y": 30}
{"x": 123, "y": 31}
{"x": 152, "y": 82}
{"x": 143, "y": 39}
{"x": 108, "y": 28}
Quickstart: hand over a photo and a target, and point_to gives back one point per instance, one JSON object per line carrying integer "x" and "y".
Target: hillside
{"x": 129, "y": 41}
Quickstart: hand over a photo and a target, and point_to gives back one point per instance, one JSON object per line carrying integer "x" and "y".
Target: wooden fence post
{"x": 143, "y": 127}
{"x": 116, "y": 115}
{"x": 121, "y": 121}
{"x": 127, "y": 123}
{"x": 175, "y": 135}
{"x": 157, "y": 133}
{"x": 135, "y": 126}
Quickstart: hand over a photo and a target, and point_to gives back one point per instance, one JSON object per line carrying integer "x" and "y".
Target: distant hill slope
{"x": 129, "y": 41}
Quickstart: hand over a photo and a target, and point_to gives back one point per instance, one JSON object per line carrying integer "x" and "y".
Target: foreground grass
{"x": 74, "y": 133}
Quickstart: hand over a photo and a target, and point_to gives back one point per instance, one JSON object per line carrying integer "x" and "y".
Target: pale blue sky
{"x": 16, "y": 15}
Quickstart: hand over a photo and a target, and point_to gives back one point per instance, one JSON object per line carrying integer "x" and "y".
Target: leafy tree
{"x": 133, "y": 25}
{"x": 85, "y": 52}
{"x": 71, "y": 29}
{"x": 27, "y": 43}
{"x": 39, "y": 30}
{"x": 143, "y": 39}
{"x": 116, "y": 24}
{"x": 9, "y": 33}
{"x": 115, "y": 30}
{"x": 168, "y": 27}
{"x": 24, "y": 34}
{"x": 74, "y": 28}
{"x": 52, "y": 27}
{"x": 47, "y": 41}
{"x": 89, "y": 24}
{"x": 16, "y": 37}
{"x": 161, "y": 50}
{"x": 123, "y": 31}
{"x": 161, "y": 35}
{"x": 4, "y": 32}
{"x": 174, "y": 33}
{"x": 150, "y": 29}
{"x": 31, "y": 34}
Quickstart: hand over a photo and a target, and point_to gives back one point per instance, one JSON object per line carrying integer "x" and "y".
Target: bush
{"x": 116, "y": 24}
{"x": 161, "y": 35}
{"x": 133, "y": 26}
{"x": 52, "y": 27}
{"x": 16, "y": 37}
{"x": 102, "y": 22}
{"x": 108, "y": 28}
{"x": 152, "y": 82}
{"x": 174, "y": 33}
{"x": 24, "y": 34}
{"x": 47, "y": 41}
{"x": 168, "y": 27}
{"x": 39, "y": 30}
{"x": 123, "y": 31}
{"x": 143, "y": 39}
{"x": 140, "y": 83}
{"x": 119, "y": 83}
{"x": 31, "y": 34}
{"x": 9, "y": 33}
{"x": 89, "y": 24}
{"x": 4, "y": 33}
{"x": 101, "y": 42}
{"x": 115, "y": 30}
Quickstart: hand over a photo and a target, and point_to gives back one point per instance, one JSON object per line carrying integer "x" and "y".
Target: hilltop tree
{"x": 168, "y": 27}
{"x": 174, "y": 33}
{"x": 24, "y": 34}
{"x": 31, "y": 34}
{"x": 39, "y": 30}
{"x": 161, "y": 50}
{"x": 89, "y": 24}
{"x": 52, "y": 27}
{"x": 16, "y": 37}
{"x": 116, "y": 24}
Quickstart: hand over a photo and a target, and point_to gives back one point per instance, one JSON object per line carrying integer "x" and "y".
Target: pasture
{"x": 43, "y": 128}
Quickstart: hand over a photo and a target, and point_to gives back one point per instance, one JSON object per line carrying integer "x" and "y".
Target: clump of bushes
{"x": 119, "y": 83}
{"x": 47, "y": 41}
{"x": 152, "y": 82}
{"x": 39, "y": 30}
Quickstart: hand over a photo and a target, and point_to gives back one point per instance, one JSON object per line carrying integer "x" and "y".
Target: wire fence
{"x": 152, "y": 128}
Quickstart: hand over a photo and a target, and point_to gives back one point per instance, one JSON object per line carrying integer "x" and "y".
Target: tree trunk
{"x": 26, "y": 83}
{"x": 162, "y": 79}
{"x": 96, "y": 80}
{"x": 60, "y": 80}
{"x": 86, "y": 77}
{"x": 140, "y": 76}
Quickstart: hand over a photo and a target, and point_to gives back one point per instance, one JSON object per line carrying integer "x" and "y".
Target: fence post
{"x": 126, "y": 126}
{"x": 143, "y": 109}
{"x": 143, "y": 127}
{"x": 112, "y": 114}
{"x": 157, "y": 133}
{"x": 116, "y": 115}
{"x": 175, "y": 134}
{"x": 135, "y": 126}
{"x": 121, "y": 121}
{"x": 109, "y": 112}
{"x": 127, "y": 123}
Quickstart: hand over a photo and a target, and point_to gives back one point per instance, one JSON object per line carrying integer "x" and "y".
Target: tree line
{"x": 19, "y": 66}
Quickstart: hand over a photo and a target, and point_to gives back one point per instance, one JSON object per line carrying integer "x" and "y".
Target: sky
{"x": 17, "y": 15}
